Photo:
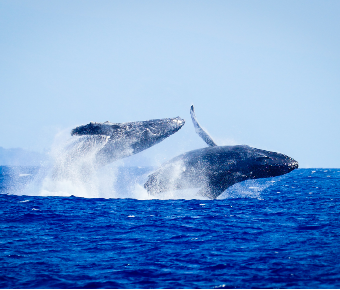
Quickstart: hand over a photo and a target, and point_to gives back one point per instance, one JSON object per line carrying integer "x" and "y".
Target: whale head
{"x": 269, "y": 164}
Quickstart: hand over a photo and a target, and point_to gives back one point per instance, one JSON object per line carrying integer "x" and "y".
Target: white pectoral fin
{"x": 204, "y": 135}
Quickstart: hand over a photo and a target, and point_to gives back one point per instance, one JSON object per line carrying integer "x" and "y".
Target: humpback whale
{"x": 215, "y": 168}
{"x": 124, "y": 139}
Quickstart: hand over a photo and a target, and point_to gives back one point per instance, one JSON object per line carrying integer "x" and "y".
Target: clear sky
{"x": 261, "y": 73}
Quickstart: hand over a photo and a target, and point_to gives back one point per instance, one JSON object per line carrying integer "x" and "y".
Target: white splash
{"x": 73, "y": 170}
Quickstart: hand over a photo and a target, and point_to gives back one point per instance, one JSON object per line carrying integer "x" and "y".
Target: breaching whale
{"x": 215, "y": 168}
{"x": 125, "y": 139}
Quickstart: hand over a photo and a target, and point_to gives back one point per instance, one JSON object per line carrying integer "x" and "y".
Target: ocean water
{"x": 280, "y": 232}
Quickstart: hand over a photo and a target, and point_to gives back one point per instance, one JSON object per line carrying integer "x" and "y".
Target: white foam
{"x": 73, "y": 170}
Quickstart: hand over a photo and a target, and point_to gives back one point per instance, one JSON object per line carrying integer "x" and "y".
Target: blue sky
{"x": 261, "y": 73}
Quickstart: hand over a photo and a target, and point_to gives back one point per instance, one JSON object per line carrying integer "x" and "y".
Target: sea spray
{"x": 73, "y": 170}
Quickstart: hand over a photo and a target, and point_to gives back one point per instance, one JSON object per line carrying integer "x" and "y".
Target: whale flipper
{"x": 204, "y": 135}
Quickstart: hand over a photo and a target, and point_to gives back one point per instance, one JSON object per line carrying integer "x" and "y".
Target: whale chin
{"x": 274, "y": 170}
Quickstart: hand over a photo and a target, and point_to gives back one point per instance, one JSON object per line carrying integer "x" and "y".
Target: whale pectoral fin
{"x": 211, "y": 191}
{"x": 204, "y": 135}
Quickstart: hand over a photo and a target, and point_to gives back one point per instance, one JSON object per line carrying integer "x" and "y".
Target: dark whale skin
{"x": 125, "y": 139}
{"x": 214, "y": 169}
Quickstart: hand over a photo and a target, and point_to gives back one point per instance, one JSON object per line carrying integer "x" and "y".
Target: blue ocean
{"x": 281, "y": 232}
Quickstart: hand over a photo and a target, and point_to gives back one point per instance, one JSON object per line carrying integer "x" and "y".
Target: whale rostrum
{"x": 215, "y": 168}
{"x": 125, "y": 139}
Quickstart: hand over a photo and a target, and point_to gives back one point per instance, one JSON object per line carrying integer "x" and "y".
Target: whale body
{"x": 215, "y": 168}
{"x": 121, "y": 140}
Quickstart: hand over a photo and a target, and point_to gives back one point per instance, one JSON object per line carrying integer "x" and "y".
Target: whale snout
{"x": 289, "y": 165}
{"x": 293, "y": 165}
{"x": 270, "y": 164}
{"x": 178, "y": 122}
